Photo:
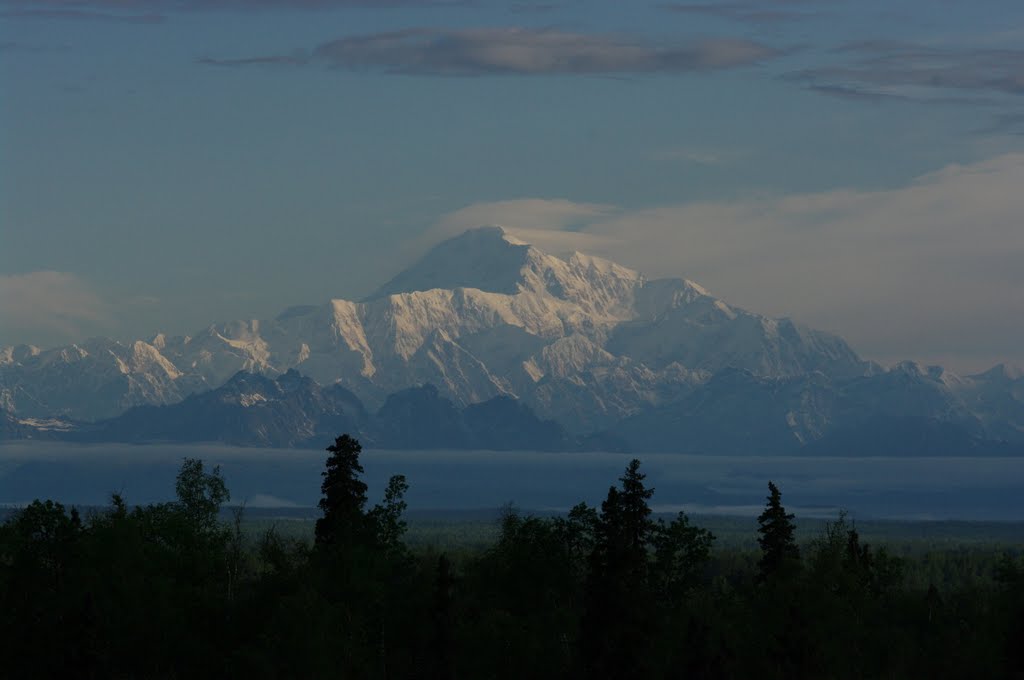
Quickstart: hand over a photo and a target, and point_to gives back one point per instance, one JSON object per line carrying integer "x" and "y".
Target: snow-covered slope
{"x": 486, "y": 259}
{"x": 996, "y": 397}
{"x": 93, "y": 379}
{"x": 678, "y": 321}
{"x": 579, "y": 339}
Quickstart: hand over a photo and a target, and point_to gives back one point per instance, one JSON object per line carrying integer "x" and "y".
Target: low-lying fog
{"x": 884, "y": 487}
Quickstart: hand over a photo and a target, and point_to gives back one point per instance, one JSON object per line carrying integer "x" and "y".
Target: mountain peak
{"x": 487, "y": 258}
{"x": 1002, "y": 372}
{"x": 18, "y": 353}
{"x": 492, "y": 260}
{"x": 495, "y": 231}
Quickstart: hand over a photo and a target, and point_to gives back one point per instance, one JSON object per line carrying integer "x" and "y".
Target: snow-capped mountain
{"x": 93, "y": 379}
{"x": 578, "y": 339}
{"x": 908, "y": 410}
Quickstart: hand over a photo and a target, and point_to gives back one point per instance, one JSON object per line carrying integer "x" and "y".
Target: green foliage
{"x": 521, "y": 602}
{"x": 126, "y": 592}
{"x": 681, "y": 553}
{"x": 168, "y": 590}
{"x": 388, "y": 516}
{"x": 640, "y": 572}
{"x": 200, "y": 494}
{"x": 39, "y": 552}
{"x": 578, "y": 533}
{"x": 1010, "y": 588}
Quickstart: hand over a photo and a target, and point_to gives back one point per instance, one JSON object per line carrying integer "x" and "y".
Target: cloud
{"x": 530, "y": 52}
{"x": 532, "y": 7}
{"x": 919, "y": 71}
{"x": 112, "y": 9}
{"x": 928, "y": 270}
{"x": 747, "y": 12}
{"x": 49, "y": 306}
{"x": 853, "y": 93}
{"x": 551, "y": 224}
{"x": 264, "y": 500}
{"x": 60, "y": 11}
{"x": 527, "y": 213}
{"x": 522, "y": 51}
{"x": 296, "y": 59}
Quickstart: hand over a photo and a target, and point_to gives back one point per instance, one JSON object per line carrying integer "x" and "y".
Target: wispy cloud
{"x": 926, "y": 270}
{"x": 68, "y": 13}
{"x": 526, "y": 213}
{"x": 521, "y": 51}
{"x": 761, "y": 12}
{"x": 885, "y": 68}
{"x": 72, "y": 9}
{"x": 532, "y": 7}
{"x": 852, "y": 92}
{"x": 51, "y": 306}
{"x": 296, "y": 59}
{"x": 554, "y": 224}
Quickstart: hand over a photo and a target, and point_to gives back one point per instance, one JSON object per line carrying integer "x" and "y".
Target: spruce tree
{"x": 344, "y": 495}
{"x": 619, "y": 606}
{"x": 779, "y": 550}
{"x": 635, "y": 513}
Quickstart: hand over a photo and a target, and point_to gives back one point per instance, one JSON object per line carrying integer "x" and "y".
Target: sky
{"x": 858, "y": 166}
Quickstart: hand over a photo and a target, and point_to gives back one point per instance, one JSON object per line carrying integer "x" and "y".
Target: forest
{"x": 171, "y": 590}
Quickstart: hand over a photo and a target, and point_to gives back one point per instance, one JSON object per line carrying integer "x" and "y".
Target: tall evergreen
{"x": 779, "y": 550}
{"x": 619, "y": 605}
{"x": 635, "y": 523}
{"x": 624, "y": 528}
{"x": 344, "y": 495}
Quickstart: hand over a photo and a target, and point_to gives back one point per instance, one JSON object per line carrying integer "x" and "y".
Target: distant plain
{"x": 288, "y": 481}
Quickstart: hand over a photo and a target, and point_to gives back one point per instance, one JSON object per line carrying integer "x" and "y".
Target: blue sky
{"x": 168, "y": 163}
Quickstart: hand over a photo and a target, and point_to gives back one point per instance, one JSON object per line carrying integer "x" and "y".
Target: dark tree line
{"x": 168, "y": 590}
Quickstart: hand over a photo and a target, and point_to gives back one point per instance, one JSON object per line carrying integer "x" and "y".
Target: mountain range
{"x": 512, "y": 347}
